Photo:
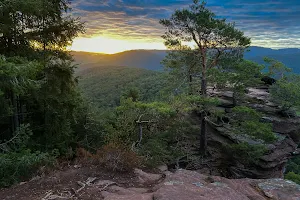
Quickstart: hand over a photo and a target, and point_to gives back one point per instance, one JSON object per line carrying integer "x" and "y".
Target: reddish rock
{"x": 147, "y": 177}
{"x": 280, "y": 189}
{"x": 194, "y": 186}
{"x": 130, "y": 197}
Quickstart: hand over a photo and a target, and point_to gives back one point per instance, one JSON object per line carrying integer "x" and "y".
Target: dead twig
{"x": 102, "y": 189}
{"x": 82, "y": 186}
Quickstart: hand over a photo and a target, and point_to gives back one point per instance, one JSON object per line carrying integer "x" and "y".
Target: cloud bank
{"x": 269, "y": 23}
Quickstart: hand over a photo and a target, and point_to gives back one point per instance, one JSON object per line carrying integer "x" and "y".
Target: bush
{"x": 16, "y": 167}
{"x": 247, "y": 121}
{"x": 293, "y": 177}
{"x": 286, "y": 92}
{"x": 156, "y": 152}
{"x": 246, "y": 153}
{"x": 294, "y": 165}
{"x": 116, "y": 157}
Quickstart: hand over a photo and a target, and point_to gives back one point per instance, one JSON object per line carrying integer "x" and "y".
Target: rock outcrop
{"x": 181, "y": 185}
{"x": 270, "y": 165}
{"x": 191, "y": 185}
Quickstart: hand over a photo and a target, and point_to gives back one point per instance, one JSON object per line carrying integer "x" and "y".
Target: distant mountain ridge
{"x": 150, "y": 59}
{"x": 147, "y": 59}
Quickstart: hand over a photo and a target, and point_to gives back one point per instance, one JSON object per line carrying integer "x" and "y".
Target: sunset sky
{"x": 118, "y": 25}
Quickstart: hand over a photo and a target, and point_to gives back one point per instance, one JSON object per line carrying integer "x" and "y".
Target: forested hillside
{"x": 147, "y": 59}
{"x": 104, "y": 86}
{"x": 151, "y": 59}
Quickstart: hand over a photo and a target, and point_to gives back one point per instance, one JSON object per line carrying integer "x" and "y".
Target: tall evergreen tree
{"x": 39, "y": 26}
{"x": 39, "y": 31}
{"x": 214, "y": 38}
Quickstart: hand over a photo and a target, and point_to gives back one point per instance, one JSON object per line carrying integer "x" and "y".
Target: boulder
{"x": 145, "y": 177}
{"x": 287, "y": 126}
{"x": 258, "y": 93}
{"x": 162, "y": 168}
{"x": 279, "y": 189}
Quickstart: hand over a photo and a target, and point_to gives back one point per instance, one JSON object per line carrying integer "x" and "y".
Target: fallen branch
{"x": 49, "y": 196}
{"x": 108, "y": 184}
{"x": 82, "y": 186}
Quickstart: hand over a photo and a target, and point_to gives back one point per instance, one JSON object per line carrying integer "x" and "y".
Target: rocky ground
{"x": 89, "y": 183}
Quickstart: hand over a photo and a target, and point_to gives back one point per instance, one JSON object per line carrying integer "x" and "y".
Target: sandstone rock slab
{"x": 130, "y": 197}
{"x": 147, "y": 177}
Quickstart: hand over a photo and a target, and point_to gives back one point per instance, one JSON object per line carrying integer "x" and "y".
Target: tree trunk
{"x": 140, "y": 132}
{"x": 203, "y": 79}
{"x": 203, "y": 135}
{"x": 190, "y": 84}
{"x": 15, "y": 117}
{"x": 234, "y": 100}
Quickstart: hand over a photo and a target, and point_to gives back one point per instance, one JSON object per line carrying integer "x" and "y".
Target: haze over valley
{"x": 151, "y": 59}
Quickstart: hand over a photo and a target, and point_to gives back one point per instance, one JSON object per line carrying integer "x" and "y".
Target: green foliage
{"x": 116, "y": 157}
{"x": 158, "y": 151}
{"x": 276, "y": 69}
{"x": 293, "y": 169}
{"x": 36, "y": 28}
{"x": 89, "y": 129}
{"x": 19, "y": 141}
{"x": 294, "y": 165}
{"x": 57, "y": 94}
{"x": 171, "y": 144}
{"x": 39, "y": 102}
{"x": 132, "y": 93}
{"x": 123, "y": 128}
{"x": 18, "y": 166}
{"x": 247, "y": 121}
{"x": 98, "y": 83}
{"x": 166, "y": 129}
{"x": 293, "y": 177}
{"x": 183, "y": 66}
{"x": 188, "y": 24}
{"x": 48, "y": 100}
{"x": 235, "y": 75}
{"x": 243, "y": 113}
{"x": 214, "y": 37}
{"x": 246, "y": 153}
{"x": 200, "y": 100}
{"x": 286, "y": 91}
{"x": 214, "y": 40}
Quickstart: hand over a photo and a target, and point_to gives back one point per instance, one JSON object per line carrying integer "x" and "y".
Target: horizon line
{"x": 280, "y": 48}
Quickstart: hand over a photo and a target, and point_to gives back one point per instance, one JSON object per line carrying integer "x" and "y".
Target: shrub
{"x": 246, "y": 153}
{"x": 156, "y": 152}
{"x": 83, "y": 156}
{"x": 16, "y": 167}
{"x": 117, "y": 157}
{"x": 286, "y": 92}
{"x": 293, "y": 177}
{"x": 247, "y": 121}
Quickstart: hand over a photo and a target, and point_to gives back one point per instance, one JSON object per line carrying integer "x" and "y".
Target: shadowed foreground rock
{"x": 181, "y": 185}
{"x": 191, "y": 185}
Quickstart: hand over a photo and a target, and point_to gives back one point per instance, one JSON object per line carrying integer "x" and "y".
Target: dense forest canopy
{"x": 121, "y": 117}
